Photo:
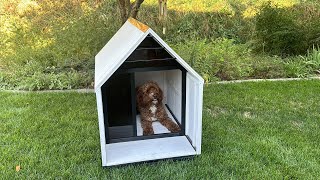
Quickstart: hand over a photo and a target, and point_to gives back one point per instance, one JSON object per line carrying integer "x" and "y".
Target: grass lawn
{"x": 250, "y": 130}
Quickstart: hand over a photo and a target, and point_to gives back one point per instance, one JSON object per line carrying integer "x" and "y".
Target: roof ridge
{"x": 138, "y": 24}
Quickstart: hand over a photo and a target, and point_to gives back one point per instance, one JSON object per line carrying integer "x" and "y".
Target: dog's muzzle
{"x": 154, "y": 101}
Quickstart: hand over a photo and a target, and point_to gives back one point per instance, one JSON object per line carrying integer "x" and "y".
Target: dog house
{"x": 133, "y": 56}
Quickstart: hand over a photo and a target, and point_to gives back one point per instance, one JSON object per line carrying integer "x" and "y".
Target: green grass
{"x": 256, "y": 130}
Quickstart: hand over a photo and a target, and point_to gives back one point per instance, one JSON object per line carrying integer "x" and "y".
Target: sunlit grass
{"x": 253, "y": 8}
{"x": 25, "y": 6}
{"x": 221, "y": 6}
{"x": 36, "y": 25}
{"x": 195, "y": 6}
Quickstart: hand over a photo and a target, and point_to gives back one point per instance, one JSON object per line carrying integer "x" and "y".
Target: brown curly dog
{"x": 151, "y": 108}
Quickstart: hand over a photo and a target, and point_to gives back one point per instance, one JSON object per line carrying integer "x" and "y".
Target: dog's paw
{"x": 175, "y": 128}
{"x": 147, "y": 132}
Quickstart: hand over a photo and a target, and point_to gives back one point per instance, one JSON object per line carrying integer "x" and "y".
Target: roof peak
{"x": 138, "y": 24}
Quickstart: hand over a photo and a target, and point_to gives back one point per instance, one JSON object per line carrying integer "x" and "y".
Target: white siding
{"x": 116, "y": 51}
{"x": 101, "y": 127}
{"x": 194, "y": 111}
{"x": 174, "y": 92}
{"x": 146, "y": 150}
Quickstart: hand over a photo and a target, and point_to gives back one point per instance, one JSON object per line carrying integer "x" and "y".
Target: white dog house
{"x": 135, "y": 55}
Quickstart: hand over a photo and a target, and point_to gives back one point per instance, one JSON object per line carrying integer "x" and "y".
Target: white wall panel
{"x": 174, "y": 91}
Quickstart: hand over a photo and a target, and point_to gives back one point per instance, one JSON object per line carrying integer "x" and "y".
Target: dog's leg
{"x": 147, "y": 127}
{"x": 166, "y": 121}
{"x": 169, "y": 124}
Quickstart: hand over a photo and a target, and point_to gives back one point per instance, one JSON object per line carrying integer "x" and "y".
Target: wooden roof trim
{"x": 138, "y": 24}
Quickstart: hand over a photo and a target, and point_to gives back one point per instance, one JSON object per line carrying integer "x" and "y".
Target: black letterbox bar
{"x": 148, "y": 60}
{"x": 149, "y": 48}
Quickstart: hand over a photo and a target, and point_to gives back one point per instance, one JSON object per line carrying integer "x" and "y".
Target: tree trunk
{"x": 162, "y": 9}
{"x": 163, "y": 14}
{"x": 123, "y": 11}
{"x": 135, "y": 8}
{"x": 129, "y": 10}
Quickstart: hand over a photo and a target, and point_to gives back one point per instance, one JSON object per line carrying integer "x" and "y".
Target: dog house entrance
{"x": 149, "y": 62}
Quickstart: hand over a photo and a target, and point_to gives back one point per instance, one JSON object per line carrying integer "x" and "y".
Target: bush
{"x": 218, "y": 59}
{"x": 267, "y": 67}
{"x": 51, "y": 44}
{"x": 312, "y": 59}
{"x": 277, "y": 32}
{"x": 33, "y": 76}
{"x": 222, "y": 59}
{"x": 309, "y": 21}
{"x": 55, "y": 33}
{"x": 294, "y": 67}
{"x": 303, "y": 66}
{"x": 287, "y": 31}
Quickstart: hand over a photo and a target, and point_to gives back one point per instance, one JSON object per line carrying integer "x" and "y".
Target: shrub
{"x": 232, "y": 61}
{"x": 33, "y": 76}
{"x": 267, "y": 67}
{"x": 312, "y": 60}
{"x": 294, "y": 67}
{"x": 222, "y": 59}
{"x": 303, "y": 66}
{"x": 287, "y": 31}
{"x": 277, "y": 32}
{"x": 309, "y": 21}
{"x": 218, "y": 59}
{"x": 52, "y": 44}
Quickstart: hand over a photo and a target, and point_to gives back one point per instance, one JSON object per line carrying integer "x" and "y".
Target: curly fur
{"x": 149, "y": 103}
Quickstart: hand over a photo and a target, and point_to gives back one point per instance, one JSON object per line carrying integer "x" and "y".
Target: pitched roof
{"x": 120, "y": 47}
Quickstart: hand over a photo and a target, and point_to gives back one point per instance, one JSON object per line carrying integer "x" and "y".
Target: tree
{"x": 128, "y": 9}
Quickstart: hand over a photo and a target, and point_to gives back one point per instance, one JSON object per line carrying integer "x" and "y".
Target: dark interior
{"x": 149, "y": 54}
{"x": 117, "y": 98}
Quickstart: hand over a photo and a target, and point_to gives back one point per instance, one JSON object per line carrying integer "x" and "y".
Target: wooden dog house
{"x": 135, "y": 55}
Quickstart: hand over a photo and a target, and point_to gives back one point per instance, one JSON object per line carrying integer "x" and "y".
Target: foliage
{"x": 287, "y": 31}
{"x": 53, "y": 33}
{"x": 68, "y": 34}
{"x": 250, "y": 131}
{"x": 294, "y": 67}
{"x": 303, "y": 66}
{"x": 308, "y": 17}
{"x": 220, "y": 58}
{"x": 266, "y": 67}
{"x": 223, "y": 59}
{"x": 277, "y": 32}
{"x": 313, "y": 58}
{"x": 61, "y": 34}
{"x": 33, "y": 76}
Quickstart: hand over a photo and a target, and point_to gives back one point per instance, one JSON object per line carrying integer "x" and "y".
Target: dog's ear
{"x": 141, "y": 97}
{"x": 160, "y": 94}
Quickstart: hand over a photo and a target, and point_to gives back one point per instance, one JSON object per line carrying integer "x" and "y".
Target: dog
{"x": 149, "y": 103}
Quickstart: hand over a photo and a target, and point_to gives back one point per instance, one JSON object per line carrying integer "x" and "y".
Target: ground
{"x": 251, "y": 130}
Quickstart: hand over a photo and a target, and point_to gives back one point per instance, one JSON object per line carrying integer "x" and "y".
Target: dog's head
{"x": 149, "y": 93}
